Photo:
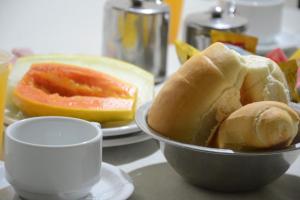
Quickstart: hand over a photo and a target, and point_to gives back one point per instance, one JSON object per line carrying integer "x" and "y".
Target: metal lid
{"x": 139, "y": 6}
{"x": 216, "y": 20}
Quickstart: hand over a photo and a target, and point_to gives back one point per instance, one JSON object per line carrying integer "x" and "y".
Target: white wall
{"x": 291, "y": 3}
{"x": 71, "y": 26}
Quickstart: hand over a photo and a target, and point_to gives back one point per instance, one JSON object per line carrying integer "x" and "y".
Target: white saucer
{"x": 125, "y": 140}
{"x": 113, "y": 185}
{"x": 285, "y": 40}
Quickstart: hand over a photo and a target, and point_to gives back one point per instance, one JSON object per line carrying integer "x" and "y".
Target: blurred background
{"x": 75, "y": 26}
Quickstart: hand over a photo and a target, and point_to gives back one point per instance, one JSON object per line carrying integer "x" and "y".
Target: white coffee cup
{"x": 264, "y": 18}
{"x": 53, "y": 158}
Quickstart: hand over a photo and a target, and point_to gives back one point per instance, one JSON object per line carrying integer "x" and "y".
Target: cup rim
{"x": 12, "y": 126}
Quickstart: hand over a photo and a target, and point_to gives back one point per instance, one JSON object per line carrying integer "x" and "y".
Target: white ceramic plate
{"x": 124, "y": 71}
{"x": 125, "y": 140}
{"x": 121, "y": 130}
{"x": 113, "y": 185}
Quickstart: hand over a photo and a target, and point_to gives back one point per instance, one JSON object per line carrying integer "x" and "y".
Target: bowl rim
{"x": 141, "y": 121}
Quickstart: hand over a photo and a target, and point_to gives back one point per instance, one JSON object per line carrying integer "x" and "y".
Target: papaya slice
{"x": 68, "y": 90}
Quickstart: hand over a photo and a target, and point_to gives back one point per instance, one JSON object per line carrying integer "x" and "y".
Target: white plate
{"x": 285, "y": 40}
{"x": 143, "y": 80}
{"x": 121, "y": 130}
{"x": 125, "y": 140}
{"x": 107, "y": 132}
{"x": 113, "y": 185}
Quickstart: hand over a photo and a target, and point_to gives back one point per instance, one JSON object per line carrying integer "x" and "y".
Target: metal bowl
{"x": 221, "y": 169}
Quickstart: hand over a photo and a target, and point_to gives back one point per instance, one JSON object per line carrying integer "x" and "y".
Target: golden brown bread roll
{"x": 264, "y": 81}
{"x": 259, "y": 125}
{"x": 199, "y": 96}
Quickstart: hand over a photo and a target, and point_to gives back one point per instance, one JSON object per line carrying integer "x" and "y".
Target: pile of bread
{"x": 221, "y": 99}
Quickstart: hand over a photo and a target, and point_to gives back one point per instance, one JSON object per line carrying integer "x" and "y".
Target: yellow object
{"x": 175, "y": 15}
{"x": 289, "y": 69}
{"x": 127, "y": 29}
{"x": 132, "y": 74}
{"x": 296, "y": 55}
{"x": 41, "y": 109}
{"x": 185, "y": 51}
{"x": 4, "y": 70}
{"x": 246, "y": 42}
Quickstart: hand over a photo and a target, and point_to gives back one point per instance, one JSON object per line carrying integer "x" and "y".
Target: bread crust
{"x": 264, "y": 81}
{"x": 199, "y": 96}
{"x": 257, "y": 126}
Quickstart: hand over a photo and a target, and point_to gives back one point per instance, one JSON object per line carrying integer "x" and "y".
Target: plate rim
{"x": 121, "y": 141}
{"x": 128, "y": 187}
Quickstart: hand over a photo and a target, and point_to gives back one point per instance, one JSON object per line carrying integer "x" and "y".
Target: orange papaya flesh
{"x": 81, "y": 80}
{"x": 68, "y": 90}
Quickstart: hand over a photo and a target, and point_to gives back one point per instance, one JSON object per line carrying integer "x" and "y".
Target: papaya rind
{"x": 130, "y": 73}
{"x": 41, "y": 109}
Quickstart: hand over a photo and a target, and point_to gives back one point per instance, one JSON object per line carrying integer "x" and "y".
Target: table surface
{"x": 74, "y": 26}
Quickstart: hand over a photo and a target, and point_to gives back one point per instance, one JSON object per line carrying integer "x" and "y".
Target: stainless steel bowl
{"x": 221, "y": 169}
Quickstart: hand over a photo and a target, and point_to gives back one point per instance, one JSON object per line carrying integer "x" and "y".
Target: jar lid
{"x": 216, "y": 20}
{"x": 139, "y": 6}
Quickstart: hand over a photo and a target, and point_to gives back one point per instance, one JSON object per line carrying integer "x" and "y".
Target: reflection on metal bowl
{"x": 221, "y": 169}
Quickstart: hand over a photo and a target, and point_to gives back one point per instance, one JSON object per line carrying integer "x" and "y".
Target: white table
{"x": 74, "y": 26}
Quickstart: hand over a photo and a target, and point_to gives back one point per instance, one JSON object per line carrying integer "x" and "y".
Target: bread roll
{"x": 201, "y": 94}
{"x": 259, "y": 125}
{"x": 264, "y": 81}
